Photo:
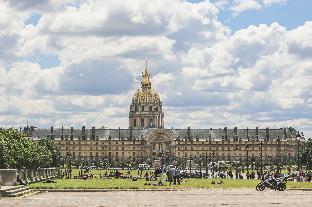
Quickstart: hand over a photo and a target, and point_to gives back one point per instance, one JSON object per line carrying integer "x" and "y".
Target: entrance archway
{"x": 160, "y": 143}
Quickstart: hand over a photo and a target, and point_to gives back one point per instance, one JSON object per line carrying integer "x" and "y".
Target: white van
{"x": 144, "y": 166}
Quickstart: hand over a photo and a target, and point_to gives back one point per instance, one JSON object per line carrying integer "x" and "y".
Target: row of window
{"x": 203, "y": 154}
{"x": 230, "y": 148}
{"x": 97, "y": 154}
{"x": 96, "y": 143}
{"x": 109, "y": 148}
{"x": 150, "y": 123}
{"x": 143, "y": 108}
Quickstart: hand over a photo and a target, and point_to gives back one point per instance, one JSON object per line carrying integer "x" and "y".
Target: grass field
{"x": 97, "y": 173}
{"x": 97, "y": 183}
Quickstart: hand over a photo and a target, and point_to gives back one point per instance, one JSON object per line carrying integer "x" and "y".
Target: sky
{"x": 215, "y": 64}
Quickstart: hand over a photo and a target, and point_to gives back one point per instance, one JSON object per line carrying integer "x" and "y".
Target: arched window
{"x": 150, "y": 108}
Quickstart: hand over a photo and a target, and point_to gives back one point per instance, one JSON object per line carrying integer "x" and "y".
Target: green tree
{"x": 306, "y": 154}
{"x": 53, "y": 149}
{"x": 18, "y": 151}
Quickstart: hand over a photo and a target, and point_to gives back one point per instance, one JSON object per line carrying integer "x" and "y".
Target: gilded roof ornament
{"x": 145, "y": 78}
{"x": 146, "y": 93}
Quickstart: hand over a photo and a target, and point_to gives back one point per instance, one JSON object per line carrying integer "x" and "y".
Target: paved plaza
{"x": 214, "y": 197}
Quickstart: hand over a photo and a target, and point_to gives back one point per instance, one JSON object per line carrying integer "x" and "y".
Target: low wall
{"x": 8, "y": 177}
{"x": 38, "y": 174}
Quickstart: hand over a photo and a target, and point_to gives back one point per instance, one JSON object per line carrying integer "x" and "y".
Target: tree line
{"x": 17, "y": 151}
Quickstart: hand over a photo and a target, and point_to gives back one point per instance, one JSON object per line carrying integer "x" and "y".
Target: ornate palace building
{"x": 146, "y": 137}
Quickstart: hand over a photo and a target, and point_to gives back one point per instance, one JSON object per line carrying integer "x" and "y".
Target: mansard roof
{"x": 180, "y": 134}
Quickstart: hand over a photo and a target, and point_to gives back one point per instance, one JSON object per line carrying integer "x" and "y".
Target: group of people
{"x": 172, "y": 172}
{"x": 174, "y": 175}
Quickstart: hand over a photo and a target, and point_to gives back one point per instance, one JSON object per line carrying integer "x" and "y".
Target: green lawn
{"x": 97, "y": 173}
{"x": 97, "y": 183}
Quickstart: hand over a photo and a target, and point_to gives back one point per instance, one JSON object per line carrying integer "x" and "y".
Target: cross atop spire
{"x": 146, "y": 84}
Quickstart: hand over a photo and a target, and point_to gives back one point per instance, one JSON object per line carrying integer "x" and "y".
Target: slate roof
{"x": 181, "y": 134}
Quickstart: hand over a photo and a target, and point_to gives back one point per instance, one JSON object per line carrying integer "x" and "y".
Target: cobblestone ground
{"x": 215, "y": 197}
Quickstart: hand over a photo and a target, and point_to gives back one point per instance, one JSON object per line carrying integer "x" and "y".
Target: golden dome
{"x": 146, "y": 94}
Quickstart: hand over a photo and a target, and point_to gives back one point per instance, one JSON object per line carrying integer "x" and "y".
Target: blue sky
{"x": 234, "y": 63}
{"x": 290, "y": 15}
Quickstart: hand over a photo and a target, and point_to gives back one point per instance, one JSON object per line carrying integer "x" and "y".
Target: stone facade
{"x": 146, "y": 137}
{"x": 222, "y": 144}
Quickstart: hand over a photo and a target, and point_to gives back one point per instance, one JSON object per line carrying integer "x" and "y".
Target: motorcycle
{"x": 272, "y": 183}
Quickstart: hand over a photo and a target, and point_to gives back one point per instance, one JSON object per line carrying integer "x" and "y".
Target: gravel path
{"x": 213, "y": 197}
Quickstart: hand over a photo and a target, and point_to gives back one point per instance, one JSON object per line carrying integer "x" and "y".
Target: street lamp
{"x": 308, "y": 161}
{"x": 190, "y": 164}
{"x": 206, "y": 164}
{"x": 212, "y": 163}
{"x": 236, "y": 171}
{"x": 261, "y": 164}
{"x": 247, "y": 164}
{"x": 279, "y": 154}
{"x": 298, "y": 153}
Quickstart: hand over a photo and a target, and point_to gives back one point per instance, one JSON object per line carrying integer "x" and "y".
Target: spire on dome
{"x": 146, "y": 84}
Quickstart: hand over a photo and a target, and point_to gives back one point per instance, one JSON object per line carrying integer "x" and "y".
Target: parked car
{"x": 144, "y": 166}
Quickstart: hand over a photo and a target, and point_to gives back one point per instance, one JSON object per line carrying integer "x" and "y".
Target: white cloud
{"x": 243, "y": 5}
{"x": 271, "y": 2}
{"x": 239, "y": 6}
{"x": 300, "y": 41}
{"x": 206, "y": 76}
{"x": 221, "y": 3}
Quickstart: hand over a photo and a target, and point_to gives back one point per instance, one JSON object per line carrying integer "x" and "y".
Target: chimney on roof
{"x": 235, "y": 134}
{"x": 83, "y": 133}
{"x": 225, "y": 133}
{"x": 189, "y": 133}
{"x": 119, "y": 133}
{"x": 93, "y": 133}
{"x": 51, "y": 133}
{"x": 285, "y": 133}
{"x": 62, "y": 133}
{"x": 257, "y": 133}
{"x": 71, "y": 133}
{"x": 247, "y": 134}
{"x": 267, "y": 134}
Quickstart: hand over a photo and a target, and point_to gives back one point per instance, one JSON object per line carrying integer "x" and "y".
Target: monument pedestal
{"x": 8, "y": 177}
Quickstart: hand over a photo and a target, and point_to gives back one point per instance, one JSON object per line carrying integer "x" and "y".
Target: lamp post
{"x": 279, "y": 155}
{"x": 247, "y": 164}
{"x": 236, "y": 171}
{"x": 190, "y": 164}
{"x": 298, "y": 153}
{"x": 206, "y": 164}
{"x": 261, "y": 164}
{"x": 308, "y": 158}
{"x": 213, "y": 163}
